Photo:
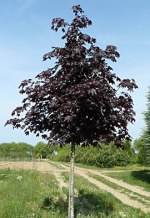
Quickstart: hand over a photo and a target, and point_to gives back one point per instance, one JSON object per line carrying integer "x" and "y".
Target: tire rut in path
{"x": 120, "y": 196}
{"x": 125, "y": 185}
{"x": 47, "y": 167}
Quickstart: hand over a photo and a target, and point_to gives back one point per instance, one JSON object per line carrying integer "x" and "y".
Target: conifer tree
{"x": 146, "y": 133}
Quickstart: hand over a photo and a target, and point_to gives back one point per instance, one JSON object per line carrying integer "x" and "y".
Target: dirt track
{"x": 57, "y": 170}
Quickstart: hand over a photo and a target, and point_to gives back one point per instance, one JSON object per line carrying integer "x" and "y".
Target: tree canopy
{"x": 145, "y": 151}
{"x": 41, "y": 150}
{"x": 80, "y": 99}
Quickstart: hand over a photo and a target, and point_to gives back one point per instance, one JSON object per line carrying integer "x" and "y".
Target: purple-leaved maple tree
{"x": 79, "y": 100}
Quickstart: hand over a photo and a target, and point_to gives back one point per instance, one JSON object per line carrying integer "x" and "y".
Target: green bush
{"x": 62, "y": 155}
{"x": 102, "y": 156}
{"x": 122, "y": 158}
{"x": 105, "y": 159}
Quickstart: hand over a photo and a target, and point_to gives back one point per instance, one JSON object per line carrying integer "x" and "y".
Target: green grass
{"x": 137, "y": 178}
{"x": 29, "y": 194}
{"x": 117, "y": 168}
{"x": 131, "y": 167}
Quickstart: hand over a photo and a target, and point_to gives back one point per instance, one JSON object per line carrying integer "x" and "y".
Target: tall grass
{"x": 28, "y": 194}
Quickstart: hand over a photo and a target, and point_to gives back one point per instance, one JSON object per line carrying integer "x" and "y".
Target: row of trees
{"x": 103, "y": 155}
{"x": 23, "y": 150}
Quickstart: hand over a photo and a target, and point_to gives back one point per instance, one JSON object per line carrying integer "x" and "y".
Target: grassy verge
{"x": 131, "y": 167}
{"x": 91, "y": 202}
{"x": 27, "y": 194}
{"x": 116, "y": 168}
{"x": 137, "y": 178}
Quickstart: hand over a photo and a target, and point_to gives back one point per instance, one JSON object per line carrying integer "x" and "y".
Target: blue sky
{"x": 25, "y": 36}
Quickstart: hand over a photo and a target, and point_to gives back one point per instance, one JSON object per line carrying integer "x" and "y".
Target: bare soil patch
{"x": 41, "y": 166}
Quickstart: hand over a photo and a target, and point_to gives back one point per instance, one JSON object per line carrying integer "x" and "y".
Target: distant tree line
{"x": 102, "y": 155}
{"x": 16, "y": 150}
{"x": 23, "y": 150}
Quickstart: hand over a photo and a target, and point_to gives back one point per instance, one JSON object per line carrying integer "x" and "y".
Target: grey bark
{"x": 71, "y": 183}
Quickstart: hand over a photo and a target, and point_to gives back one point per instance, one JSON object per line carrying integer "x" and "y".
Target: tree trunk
{"x": 71, "y": 183}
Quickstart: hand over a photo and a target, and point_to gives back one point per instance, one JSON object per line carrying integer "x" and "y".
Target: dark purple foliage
{"x": 79, "y": 100}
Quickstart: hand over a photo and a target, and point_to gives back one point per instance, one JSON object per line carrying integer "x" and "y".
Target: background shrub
{"x": 102, "y": 156}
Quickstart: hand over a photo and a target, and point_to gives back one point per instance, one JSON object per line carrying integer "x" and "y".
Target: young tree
{"x": 79, "y": 100}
